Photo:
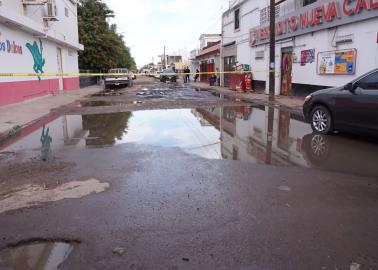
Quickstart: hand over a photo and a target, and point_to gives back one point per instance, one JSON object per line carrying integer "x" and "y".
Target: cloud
{"x": 148, "y": 25}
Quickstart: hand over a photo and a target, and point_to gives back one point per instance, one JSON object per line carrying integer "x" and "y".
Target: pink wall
{"x": 71, "y": 83}
{"x": 14, "y": 92}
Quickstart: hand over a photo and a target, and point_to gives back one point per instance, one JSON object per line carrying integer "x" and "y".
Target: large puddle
{"x": 235, "y": 133}
{"x": 35, "y": 256}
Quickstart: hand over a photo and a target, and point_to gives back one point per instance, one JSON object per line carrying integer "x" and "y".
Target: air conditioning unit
{"x": 34, "y": 2}
{"x": 50, "y": 11}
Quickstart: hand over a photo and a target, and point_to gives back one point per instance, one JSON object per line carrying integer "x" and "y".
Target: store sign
{"x": 307, "y": 56}
{"x": 315, "y": 17}
{"x": 8, "y": 46}
{"x": 337, "y": 62}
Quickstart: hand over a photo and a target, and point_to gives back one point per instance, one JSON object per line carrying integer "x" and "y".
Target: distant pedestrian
{"x": 213, "y": 80}
{"x": 197, "y": 75}
{"x": 184, "y": 75}
{"x": 187, "y": 75}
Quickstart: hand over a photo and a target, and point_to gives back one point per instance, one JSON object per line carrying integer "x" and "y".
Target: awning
{"x": 211, "y": 50}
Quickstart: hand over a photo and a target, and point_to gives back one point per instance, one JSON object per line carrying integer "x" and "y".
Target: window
{"x": 66, "y": 12}
{"x": 237, "y": 19}
{"x": 265, "y": 14}
{"x": 370, "y": 82}
{"x": 308, "y": 2}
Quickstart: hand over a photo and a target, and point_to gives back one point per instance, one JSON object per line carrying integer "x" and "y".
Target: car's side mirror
{"x": 349, "y": 87}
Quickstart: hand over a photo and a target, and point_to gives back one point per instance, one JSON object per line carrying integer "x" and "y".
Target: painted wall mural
{"x": 37, "y": 53}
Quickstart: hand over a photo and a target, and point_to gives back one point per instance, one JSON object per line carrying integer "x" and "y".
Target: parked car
{"x": 133, "y": 75}
{"x": 157, "y": 75}
{"x": 350, "y": 108}
{"x": 168, "y": 75}
{"x": 122, "y": 80}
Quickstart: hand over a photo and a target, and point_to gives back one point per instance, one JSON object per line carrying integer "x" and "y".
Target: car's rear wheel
{"x": 321, "y": 120}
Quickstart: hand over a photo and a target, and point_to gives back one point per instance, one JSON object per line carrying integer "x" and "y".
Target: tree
{"x": 104, "y": 48}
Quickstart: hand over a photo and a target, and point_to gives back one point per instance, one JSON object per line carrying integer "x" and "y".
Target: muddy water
{"x": 235, "y": 133}
{"x": 35, "y": 256}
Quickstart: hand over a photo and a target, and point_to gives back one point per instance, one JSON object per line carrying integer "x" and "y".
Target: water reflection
{"x": 183, "y": 128}
{"x": 254, "y": 134}
{"x": 344, "y": 154}
{"x": 262, "y": 135}
{"x": 36, "y": 256}
{"x": 105, "y": 129}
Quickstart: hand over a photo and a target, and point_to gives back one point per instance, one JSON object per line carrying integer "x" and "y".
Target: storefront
{"x": 319, "y": 44}
{"x": 32, "y": 43}
{"x": 209, "y": 60}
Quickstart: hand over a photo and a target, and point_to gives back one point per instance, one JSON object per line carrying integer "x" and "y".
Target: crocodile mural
{"x": 37, "y": 53}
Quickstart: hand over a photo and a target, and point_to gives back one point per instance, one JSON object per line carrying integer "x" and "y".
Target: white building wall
{"x": 23, "y": 24}
{"x": 364, "y": 41}
{"x": 23, "y": 63}
{"x": 206, "y": 39}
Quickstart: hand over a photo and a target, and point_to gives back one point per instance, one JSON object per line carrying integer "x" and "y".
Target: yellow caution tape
{"x": 126, "y": 74}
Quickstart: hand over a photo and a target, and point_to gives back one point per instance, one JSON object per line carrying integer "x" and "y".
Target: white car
{"x": 124, "y": 78}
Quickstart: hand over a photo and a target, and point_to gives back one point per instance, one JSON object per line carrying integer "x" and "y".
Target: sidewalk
{"x": 291, "y": 103}
{"x": 15, "y": 116}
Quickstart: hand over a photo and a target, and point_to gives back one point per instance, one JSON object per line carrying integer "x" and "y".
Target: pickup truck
{"x": 124, "y": 79}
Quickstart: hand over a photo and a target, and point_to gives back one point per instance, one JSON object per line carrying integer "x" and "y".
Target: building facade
{"x": 209, "y": 61}
{"x": 319, "y": 44}
{"x": 38, "y": 36}
{"x": 207, "y": 57}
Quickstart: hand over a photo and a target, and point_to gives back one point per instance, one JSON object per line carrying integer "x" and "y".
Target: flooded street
{"x": 167, "y": 176}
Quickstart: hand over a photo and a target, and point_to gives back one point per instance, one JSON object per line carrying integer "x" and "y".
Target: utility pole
{"x": 164, "y": 64}
{"x": 272, "y": 53}
{"x": 221, "y": 66}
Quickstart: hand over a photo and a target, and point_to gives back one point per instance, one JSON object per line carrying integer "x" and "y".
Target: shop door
{"x": 286, "y": 70}
{"x": 229, "y": 66}
{"x": 203, "y": 70}
{"x": 60, "y": 67}
{"x": 209, "y": 68}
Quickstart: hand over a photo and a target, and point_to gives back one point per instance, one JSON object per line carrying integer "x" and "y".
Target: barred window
{"x": 265, "y": 14}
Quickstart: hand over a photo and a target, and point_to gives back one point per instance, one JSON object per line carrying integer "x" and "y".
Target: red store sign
{"x": 314, "y": 18}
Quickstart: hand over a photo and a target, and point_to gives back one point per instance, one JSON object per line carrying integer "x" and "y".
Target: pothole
{"x": 95, "y": 103}
{"x": 8, "y": 154}
{"x": 37, "y": 254}
{"x": 106, "y": 94}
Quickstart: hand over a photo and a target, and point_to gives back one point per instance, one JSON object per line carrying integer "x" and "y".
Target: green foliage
{"x": 104, "y": 48}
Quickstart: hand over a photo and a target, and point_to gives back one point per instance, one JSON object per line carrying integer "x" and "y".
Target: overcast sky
{"x": 148, "y": 25}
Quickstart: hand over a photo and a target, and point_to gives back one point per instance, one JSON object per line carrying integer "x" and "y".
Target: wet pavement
{"x": 35, "y": 256}
{"x": 221, "y": 185}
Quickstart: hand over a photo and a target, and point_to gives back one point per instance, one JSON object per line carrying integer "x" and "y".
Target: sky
{"x": 148, "y": 25}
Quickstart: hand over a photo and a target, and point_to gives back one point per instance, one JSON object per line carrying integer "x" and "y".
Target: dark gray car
{"x": 168, "y": 75}
{"x": 351, "y": 108}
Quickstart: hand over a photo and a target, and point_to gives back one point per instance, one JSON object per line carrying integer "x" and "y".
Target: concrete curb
{"x": 233, "y": 94}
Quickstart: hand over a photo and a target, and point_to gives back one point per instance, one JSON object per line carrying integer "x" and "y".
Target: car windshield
{"x": 167, "y": 71}
{"x": 118, "y": 70}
